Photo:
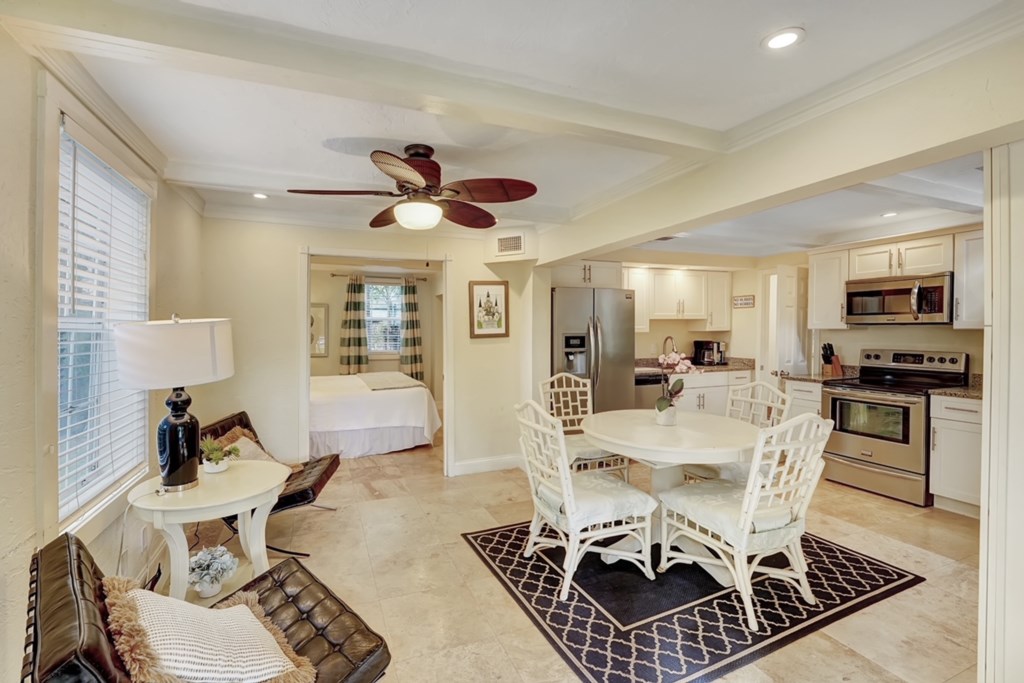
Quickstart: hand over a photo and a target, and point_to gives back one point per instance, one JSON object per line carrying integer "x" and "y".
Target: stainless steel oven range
{"x": 880, "y": 442}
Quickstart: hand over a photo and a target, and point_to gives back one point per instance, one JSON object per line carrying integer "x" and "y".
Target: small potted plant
{"x": 209, "y": 568}
{"x": 215, "y": 456}
{"x": 665, "y": 406}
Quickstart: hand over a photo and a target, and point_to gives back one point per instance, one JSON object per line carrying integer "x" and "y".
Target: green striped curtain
{"x": 354, "y": 358}
{"x": 411, "y": 360}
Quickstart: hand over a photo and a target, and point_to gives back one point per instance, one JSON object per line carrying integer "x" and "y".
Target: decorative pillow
{"x": 234, "y": 435}
{"x": 250, "y": 450}
{"x": 164, "y": 640}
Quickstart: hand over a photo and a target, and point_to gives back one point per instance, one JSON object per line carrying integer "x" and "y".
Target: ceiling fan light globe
{"x": 418, "y": 215}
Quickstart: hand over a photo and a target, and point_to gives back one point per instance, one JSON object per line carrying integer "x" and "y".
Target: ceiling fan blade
{"x": 384, "y": 218}
{"x": 467, "y": 214}
{"x": 353, "y": 193}
{"x": 395, "y": 168}
{"x": 489, "y": 190}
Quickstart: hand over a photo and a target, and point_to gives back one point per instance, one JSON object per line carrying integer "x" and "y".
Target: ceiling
{"x": 243, "y": 96}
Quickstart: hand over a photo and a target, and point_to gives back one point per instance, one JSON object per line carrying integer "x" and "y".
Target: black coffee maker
{"x": 708, "y": 353}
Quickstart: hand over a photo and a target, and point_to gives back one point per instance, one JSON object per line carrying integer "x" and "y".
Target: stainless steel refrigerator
{"x": 592, "y": 336}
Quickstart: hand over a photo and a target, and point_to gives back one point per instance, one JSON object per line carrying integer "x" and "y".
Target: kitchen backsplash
{"x": 650, "y": 343}
{"x": 849, "y": 343}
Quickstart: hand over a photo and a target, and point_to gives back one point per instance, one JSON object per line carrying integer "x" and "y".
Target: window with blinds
{"x": 383, "y": 317}
{"x": 103, "y": 241}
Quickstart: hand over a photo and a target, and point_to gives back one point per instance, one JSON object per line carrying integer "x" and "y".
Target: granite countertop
{"x": 973, "y": 391}
{"x": 649, "y": 366}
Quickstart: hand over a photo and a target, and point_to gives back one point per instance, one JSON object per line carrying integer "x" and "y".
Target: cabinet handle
{"x": 935, "y": 439}
{"x": 842, "y": 312}
{"x": 956, "y": 315}
{"x": 962, "y": 410}
{"x": 711, "y": 319}
{"x": 890, "y": 260}
{"x": 899, "y": 259}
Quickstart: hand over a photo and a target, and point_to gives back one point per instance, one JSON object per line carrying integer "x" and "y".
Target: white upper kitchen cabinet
{"x": 638, "y": 279}
{"x": 969, "y": 280}
{"x": 826, "y": 291}
{"x": 910, "y": 257}
{"x": 719, "y": 288}
{"x": 587, "y": 274}
{"x": 678, "y": 294}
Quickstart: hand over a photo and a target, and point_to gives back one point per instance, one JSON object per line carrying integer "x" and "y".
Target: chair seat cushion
{"x": 716, "y": 504}
{"x": 578, "y": 448}
{"x": 732, "y": 471}
{"x": 600, "y": 497}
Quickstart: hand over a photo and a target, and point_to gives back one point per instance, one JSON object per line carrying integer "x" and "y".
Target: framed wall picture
{"x": 318, "y": 330}
{"x": 488, "y": 308}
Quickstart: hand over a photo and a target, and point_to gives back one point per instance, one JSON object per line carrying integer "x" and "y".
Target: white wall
{"x": 17, "y": 342}
{"x": 261, "y": 299}
{"x": 848, "y": 343}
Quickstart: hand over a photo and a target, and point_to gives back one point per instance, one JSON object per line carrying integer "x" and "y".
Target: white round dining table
{"x": 696, "y": 438}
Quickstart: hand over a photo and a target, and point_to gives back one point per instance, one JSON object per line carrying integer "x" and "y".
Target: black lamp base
{"x": 177, "y": 443}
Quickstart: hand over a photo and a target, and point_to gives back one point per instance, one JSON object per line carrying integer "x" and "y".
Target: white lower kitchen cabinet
{"x": 804, "y": 397}
{"x": 956, "y": 454}
{"x": 709, "y": 392}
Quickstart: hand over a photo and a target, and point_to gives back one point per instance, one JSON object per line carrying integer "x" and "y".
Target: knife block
{"x": 837, "y": 367}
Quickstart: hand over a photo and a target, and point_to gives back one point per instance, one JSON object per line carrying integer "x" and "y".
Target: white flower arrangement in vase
{"x": 209, "y": 568}
{"x": 677, "y": 364}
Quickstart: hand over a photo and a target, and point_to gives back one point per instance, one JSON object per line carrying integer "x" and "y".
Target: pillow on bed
{"x": 164, "y": 640}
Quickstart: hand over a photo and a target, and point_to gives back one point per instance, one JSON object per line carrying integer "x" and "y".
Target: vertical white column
{"x": 1001, "y": 591}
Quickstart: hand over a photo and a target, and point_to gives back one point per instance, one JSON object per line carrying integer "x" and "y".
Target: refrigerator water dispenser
{"x": 574, "y": 346}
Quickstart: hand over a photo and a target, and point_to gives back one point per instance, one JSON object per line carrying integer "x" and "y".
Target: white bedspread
{"x": 345, "y": 403}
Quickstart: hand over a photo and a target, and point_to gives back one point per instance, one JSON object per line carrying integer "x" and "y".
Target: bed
{"x": 369, "y": 413}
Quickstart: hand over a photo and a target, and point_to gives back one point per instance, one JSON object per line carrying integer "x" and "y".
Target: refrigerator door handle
{"x": 597, "y": 353}
{"x": 591, "y": 344}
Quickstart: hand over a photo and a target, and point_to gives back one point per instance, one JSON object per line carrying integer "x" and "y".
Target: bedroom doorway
{"x": 378, "y": 410}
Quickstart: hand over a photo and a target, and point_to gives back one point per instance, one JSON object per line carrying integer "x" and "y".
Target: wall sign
{"x": 743, "y": 301}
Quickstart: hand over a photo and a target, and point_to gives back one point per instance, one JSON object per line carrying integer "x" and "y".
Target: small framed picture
{"x": 488, "y": 308}
{"x": 318, "y": 330}
{"x": 743, "y": 301}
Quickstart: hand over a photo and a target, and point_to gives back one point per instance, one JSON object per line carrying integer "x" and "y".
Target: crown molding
{"x": 318, "y": 220}
{"x": 191, "y": 197}
{"x": 73, "y": 76}
{"x": 659, "y": 174}
{"x": 1001, "y": 23}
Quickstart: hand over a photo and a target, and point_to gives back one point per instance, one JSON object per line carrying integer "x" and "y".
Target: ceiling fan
{"x": 418, "y": 181}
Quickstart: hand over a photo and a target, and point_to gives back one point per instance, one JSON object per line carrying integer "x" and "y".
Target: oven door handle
{"x": 915, "y": 300}
{"x": 874, "y": 396}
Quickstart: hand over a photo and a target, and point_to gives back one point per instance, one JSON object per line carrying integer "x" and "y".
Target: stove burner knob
{"x": 867, "y": 356}
{"x": 942, "y": 359}
{"x": 954, "y": 361}
{"x": 876, "y": 357}
{"x": 931, "y": 359}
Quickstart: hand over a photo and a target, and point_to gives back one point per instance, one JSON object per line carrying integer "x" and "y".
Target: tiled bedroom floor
{"x": 393, "y": 550}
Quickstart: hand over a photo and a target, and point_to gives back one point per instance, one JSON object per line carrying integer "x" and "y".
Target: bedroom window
{"x": 383, "y": 317}
{"x": 102, "y": 279}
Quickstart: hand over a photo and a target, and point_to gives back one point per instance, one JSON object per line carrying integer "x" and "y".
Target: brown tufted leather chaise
{"x": 301, "y": 488}
{"x": 68, "y": 638}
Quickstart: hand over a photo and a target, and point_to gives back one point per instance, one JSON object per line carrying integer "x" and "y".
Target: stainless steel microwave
{"x": 900, "y": 300}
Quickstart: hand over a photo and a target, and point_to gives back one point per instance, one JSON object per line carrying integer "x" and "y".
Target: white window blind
{"x": 383, "y": 317}
{"x": 103, "y": 241}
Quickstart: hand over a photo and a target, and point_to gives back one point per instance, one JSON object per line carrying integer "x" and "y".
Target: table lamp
{"x": 162, "y": 354}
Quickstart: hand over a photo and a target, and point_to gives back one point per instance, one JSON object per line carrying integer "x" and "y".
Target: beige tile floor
{"x": 393, "y": 550}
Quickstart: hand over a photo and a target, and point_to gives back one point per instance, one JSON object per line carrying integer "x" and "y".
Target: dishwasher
{"x": 647, "y": 389}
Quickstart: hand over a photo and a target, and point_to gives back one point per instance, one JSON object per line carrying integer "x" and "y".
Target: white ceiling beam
{"x": 258, "y": 51}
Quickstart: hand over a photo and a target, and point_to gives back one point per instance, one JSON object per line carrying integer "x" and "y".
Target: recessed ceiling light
{"x": 259, "y": 195}
{"x": 784, "y": 38}
{"x": 890, "y": 214}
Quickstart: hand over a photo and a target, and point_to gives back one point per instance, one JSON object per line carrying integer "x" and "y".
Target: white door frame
{"x": 302, "y": 342}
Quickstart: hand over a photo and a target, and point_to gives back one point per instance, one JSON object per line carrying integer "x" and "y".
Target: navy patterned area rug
{"x": 618, "y": 627}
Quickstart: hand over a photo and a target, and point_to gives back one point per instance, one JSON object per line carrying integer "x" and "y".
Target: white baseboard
{"x": 958, "y": 507}
{"x": 492, "y": 464}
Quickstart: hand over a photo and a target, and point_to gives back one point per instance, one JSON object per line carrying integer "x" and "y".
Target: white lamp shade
{"x": 418, "y": 215}
{"x": 164, "y": 354}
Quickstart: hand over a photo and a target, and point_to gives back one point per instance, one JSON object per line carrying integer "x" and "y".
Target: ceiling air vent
{"x": 510, "y": 245}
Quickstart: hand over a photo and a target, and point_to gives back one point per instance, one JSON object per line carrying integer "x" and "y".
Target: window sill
{"x": 104, "y": 512}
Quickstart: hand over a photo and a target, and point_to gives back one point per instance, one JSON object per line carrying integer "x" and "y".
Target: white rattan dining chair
{"x": 744, "y": 522}
{"x": 573, "y": 509}
{"x": 569, "y": 398}
{"x": 757, "y": 403}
